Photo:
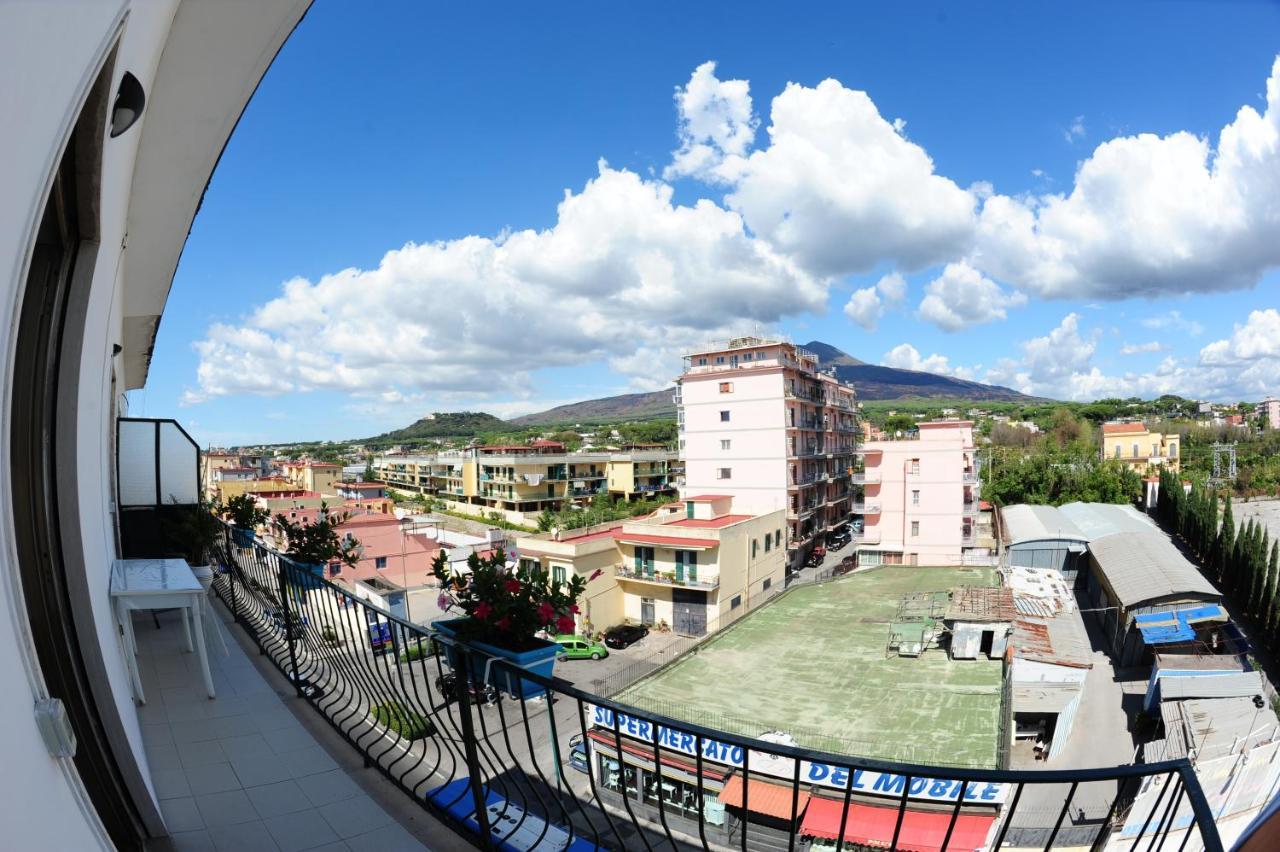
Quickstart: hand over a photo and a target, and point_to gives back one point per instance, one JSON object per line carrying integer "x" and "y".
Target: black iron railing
{"x": 547, "y": 765}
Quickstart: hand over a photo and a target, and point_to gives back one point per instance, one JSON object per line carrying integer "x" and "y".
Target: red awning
{"x": 922, "y": 831}
{"x": 762, "y": 797}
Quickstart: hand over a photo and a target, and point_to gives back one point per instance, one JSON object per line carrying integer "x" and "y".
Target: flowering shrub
{"x": 506, "y": 606}
{"x": 317, "y": 542}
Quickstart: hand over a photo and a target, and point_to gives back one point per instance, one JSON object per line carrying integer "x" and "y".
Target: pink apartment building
{"x": 921, "y": 497}
{"x": 1270, "y": 412}
{"x": 760, "y": 423}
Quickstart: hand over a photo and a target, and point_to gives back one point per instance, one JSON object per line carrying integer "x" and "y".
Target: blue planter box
{"x": 242, "y": 537}
{"x": 307, "y": 576}
{"x": 540, "y": 661}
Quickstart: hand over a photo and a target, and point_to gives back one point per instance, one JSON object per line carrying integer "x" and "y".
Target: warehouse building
{"x": 1042, "y": 537}
{"x": 1139, "y": 574}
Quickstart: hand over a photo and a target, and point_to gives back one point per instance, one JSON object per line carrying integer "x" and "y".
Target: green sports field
{"x": 812, "y": 663}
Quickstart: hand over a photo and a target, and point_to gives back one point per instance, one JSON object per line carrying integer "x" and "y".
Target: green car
{"x": 580, "y": 648}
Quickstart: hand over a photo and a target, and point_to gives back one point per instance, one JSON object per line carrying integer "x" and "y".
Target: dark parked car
{"x": 622, "y": 635}
{"x": 447, "y": 685}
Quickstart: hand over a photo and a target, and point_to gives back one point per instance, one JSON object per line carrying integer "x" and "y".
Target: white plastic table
{"x": 158, "y": 584}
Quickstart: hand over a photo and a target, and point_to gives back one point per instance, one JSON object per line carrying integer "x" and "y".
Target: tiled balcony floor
{"x": 240, "y": 772}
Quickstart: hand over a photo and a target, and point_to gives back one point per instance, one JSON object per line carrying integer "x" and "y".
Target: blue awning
{"x": 1159, "y": 628}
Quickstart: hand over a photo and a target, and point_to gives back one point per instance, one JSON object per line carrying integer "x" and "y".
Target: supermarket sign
{"x": 864, "y": 781}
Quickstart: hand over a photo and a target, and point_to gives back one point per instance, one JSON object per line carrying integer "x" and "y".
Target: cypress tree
{"x": 1259, "y": 585}
{"x": 1273, "y": 613}
{"x": 1210, "y": 531}
{"x": 1227, "y": 541}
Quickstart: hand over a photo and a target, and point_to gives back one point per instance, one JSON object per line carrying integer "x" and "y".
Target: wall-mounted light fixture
{"x": 130, "y": 101}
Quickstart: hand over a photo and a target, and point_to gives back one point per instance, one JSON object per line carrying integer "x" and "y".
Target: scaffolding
{"x": 1221, "y": 451}
{"x": 917, "y": 625}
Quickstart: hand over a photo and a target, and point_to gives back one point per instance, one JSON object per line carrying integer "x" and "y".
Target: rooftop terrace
{"x": 812, "y": 663}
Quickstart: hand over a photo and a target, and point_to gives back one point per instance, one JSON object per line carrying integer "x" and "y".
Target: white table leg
{"x": 125, "y": 616}
{"x": 186, "y": 629}
{"x": 194, "y": 607}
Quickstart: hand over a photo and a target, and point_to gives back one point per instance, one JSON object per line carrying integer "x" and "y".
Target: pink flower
{"x": 594, "y": 574}
{"x": 512, "y": 586}
{"x": 546, "y": 612}
{"x": 503, "y": 623}
{"x": 565, "y": 624}
{"x": 443, "y": 602}
{"x": 482, "y": 610}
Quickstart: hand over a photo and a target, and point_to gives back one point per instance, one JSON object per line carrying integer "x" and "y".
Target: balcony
{"x": 969, "y": 477}
{"x": 865, "y": 507}
{"x": 970, "y": 508}
{"x": 351, "y": 656}
{"x": 799, "y": 514}
{"x": 866, "y": 477}
{"x": 866, "y": 536}
{"x": 969, "y": 538}
{"x": 682, "y": 578}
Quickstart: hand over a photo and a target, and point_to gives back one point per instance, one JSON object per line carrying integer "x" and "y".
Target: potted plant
{"x": 192, "y": 530}
{"x": 313, "y": 544}
{"x": 245, "y": 516}
{"x": 502, "y": 610}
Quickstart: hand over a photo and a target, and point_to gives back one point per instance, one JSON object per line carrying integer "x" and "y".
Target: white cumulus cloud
{"x": 962, "y": 297}
{"x": 622, "y": 271}
{"x": 904, "y": 356}
{"x": 840, "y": 189}
{"x": 1149, "y": 216}
{"x": 1140, "y": 348}
{"x": 867, "y": 306}
{"x": 715, "y": 121}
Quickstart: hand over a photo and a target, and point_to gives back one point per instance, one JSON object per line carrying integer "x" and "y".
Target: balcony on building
{"x": 865, "y": 477}
{"x": 865, "y": 507}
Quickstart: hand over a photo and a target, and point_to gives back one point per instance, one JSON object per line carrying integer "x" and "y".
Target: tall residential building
{"x": 760, "y": 423}
{"x": 321, "y": 477}
{"x": 529, "y": 478}
{"x": 1270, "y": 408}
{"x": 1138, "y": 447}
{"x": 921, "y": 497}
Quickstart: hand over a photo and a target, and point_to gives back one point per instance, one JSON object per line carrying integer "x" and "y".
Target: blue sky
{"x": 1056, "y": 208}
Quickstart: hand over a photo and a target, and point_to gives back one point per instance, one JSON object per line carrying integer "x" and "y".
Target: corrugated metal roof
{"x": 1060, "y": 641}
{"x": 1023, "y": 523}
{"x": 1146, "y": 566}
{"x": 1236, "y": 685}
{"x": 1214, "y": 727}
{"x": 981, "y": 603}
{"x": 1096, "y": 520}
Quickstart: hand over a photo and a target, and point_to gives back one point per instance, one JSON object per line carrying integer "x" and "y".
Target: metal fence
{"x": 493, "y": 766}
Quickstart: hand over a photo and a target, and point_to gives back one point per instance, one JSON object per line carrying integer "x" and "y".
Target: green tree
{"x": 1226, "y": 543}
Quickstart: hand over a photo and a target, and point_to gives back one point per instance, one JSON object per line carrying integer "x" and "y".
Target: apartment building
{"x": 1269, "y": 409}
{"x": 760, "y": 423}
{"x": 920, "y": 503}
{"x": 529, "y": 478}
{"x": 321, "y": 477}
{"x": 1140, "y": 448}
{"x": 692, "y": 565}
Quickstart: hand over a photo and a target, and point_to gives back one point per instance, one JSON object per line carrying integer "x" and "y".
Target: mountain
{"x": 446, "y": 424}
{"x": 869, "y": 380}
{"x": 628, "y": 406}
{"x": 872, "y": 381}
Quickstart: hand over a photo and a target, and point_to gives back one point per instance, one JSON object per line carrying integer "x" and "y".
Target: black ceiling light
{"x": 130, "y": 99}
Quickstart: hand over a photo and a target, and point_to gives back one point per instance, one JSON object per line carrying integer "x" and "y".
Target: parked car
{"x": 447, "y": 685}
{"x": 846, "y": 565}
{"x": 815, "y": 557}
{"x": 621, "y": 635}
{"x": 580, "y": 648}
{"x": 578, "y": 754}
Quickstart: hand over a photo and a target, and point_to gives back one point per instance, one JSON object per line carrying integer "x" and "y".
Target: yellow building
{"x": 1140, "y": 448}
{"x": 692, "y": 566}
{"x": 529, "y": 478}
{"x": 320, "y": 477}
